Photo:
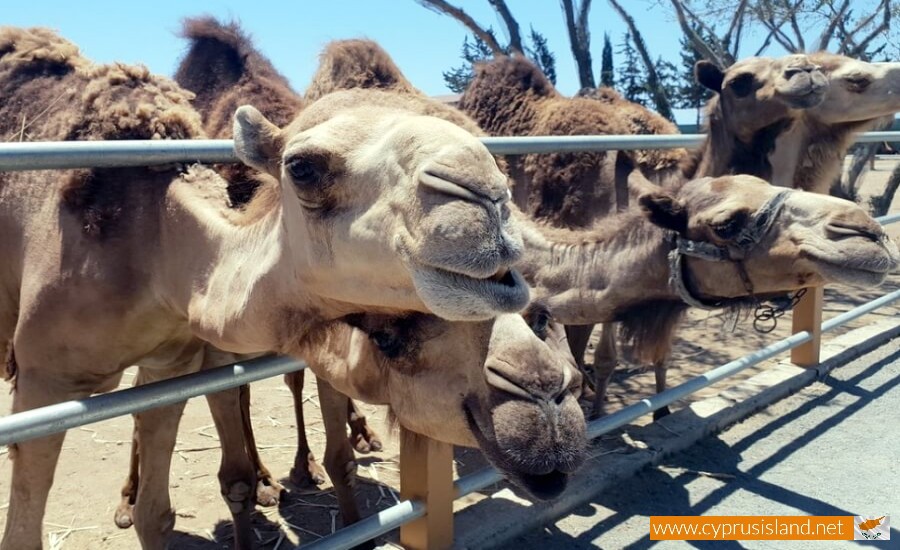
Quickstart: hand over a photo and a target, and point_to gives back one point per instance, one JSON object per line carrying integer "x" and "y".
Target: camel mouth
{"x": 460, "y": 297}
{"x": 541, "y": 485}
{"x": 806, "y": 98}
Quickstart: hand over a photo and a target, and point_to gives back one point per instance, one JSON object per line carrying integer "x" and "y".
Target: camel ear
{"x": 709, "y": 75}
{"x": 665, "y": 211}
{"x": 257, "y": 142}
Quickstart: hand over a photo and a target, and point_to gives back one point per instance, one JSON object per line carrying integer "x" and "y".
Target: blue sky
{"x": 292, "y": 33}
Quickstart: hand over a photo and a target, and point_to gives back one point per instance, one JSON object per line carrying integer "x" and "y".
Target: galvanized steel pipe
{"x": 45, "y": 155}
{"x": 375, "y": 525}
{"x": 71, "y": 414}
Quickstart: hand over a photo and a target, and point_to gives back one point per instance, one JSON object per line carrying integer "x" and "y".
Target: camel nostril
{"x": 497, "y": 378}
{"x": 837, "y": 230}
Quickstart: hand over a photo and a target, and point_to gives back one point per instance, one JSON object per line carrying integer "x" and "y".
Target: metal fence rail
{"x": 45, "y": 155}
{"x": 71, "y": 414}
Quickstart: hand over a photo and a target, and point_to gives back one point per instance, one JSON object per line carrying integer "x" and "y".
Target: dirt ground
{"x": 94, "y": 460}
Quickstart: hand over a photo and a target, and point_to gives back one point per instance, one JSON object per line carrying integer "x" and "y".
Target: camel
{"x": 754, "y": 123}
{"x": 859, "y": 95}
{"x": 176, "y": 268}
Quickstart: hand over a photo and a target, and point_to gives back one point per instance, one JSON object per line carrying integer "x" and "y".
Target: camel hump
{"x": 36, "y": 50}
{"x": 219, "y": 56}
{"x": 515, "y": 72}
{"x": 357, "y": 63}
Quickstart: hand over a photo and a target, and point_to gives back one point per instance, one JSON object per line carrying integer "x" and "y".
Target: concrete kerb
{"x": 504, "y": 515}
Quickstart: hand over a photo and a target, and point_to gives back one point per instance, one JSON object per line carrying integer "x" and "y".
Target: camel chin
{"x": 520, "y": 439}
{"x": 459, "y": 297}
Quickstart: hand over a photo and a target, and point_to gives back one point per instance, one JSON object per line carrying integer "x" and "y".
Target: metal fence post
{"x": 808, "y": 316}
{"x": 426, "y": 474}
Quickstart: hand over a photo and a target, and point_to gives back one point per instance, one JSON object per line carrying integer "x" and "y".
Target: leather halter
{"x": 760, "y": 224}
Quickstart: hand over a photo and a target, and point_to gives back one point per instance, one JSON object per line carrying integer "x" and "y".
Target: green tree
{"x": 607, "y": 72}
{"x": 630, "y": 81}
{"x": 540, "y": 53}
{"x": 689, "y": 93}
{"x": 458, "y": 78}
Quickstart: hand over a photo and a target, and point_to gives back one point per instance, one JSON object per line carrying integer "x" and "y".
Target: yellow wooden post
{"x": 808, "y": 316}
{"x": 426, "y": 474}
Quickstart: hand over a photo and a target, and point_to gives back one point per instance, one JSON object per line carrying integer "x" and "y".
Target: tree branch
{"x": 512, "y": 26}
{"x": 657, "y": 92}
{"x": 792, "y": 17}
{"x": 695, "y": 39}
{"x": 736, "y": 23}
{"x": 440, "y": 6}
{"x": 837, "y": 16}
{"x": 580, "y": 41}
{"x": 885, "y": 25}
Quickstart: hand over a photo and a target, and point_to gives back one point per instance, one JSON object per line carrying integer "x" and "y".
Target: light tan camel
{"x": 859, "y": 95}
{"x": 389, "y": 369}
{"x": 571, "y": 259}
{"x": 175, "y": 267}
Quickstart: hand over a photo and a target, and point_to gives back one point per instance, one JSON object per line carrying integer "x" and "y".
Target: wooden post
{"x": 426, "y": 474}
{"x": 808, "y": 316}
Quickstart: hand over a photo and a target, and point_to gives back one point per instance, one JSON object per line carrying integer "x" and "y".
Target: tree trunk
{"x": 657, "y": 92}
{"x": 440, "y": 6}
{"x": 580, "y": 40}
{"x": 512, "y": 26}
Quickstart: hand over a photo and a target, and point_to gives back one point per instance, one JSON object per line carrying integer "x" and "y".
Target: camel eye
{"x": 731, "y": 227}
{"x": 307, "y": 171}
{"x": 386, "y": 344}
{"x": 857, "y": 83}
{"x": 539, "y": 324}
{"x": 742, "y": 85}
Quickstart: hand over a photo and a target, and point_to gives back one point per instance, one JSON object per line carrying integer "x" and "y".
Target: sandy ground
{"x": 95, "y": 458}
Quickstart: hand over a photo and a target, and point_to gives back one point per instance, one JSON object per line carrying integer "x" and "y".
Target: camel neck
{"x": 237, "y": 285}
{"x": 593, "y": 276}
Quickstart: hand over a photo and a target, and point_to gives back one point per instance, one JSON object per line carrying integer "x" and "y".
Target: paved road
{"x": 831, "y": 449}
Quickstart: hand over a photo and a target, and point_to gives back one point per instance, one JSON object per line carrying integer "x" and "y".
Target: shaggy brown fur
{"x": 224, "y": 70}
{"x": 360, "y": 63}
{"x": 511, "y": 97}
{"x": 44, "y": 80}
{"x": 640, "y": 121}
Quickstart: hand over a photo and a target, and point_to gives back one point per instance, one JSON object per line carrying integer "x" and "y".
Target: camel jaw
{"x": 863, "y": 268}
{"x": 459, "y": 297}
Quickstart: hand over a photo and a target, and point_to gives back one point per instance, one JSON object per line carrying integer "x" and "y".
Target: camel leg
{"x": 268, "y": 491}
{"x": 579, "y": 336}
{"x": 306, "y": 471}
{"x": 659, "y": 371}
{"x": 157, "y": 430}
{"x": 339, "y": 460}
{"x": 237, "y": 473}
{"x": 124, "y": 515}
{"x": 33, "y": 462}
{"x": 362, "y": 437}
{"x": 604, "y": 365}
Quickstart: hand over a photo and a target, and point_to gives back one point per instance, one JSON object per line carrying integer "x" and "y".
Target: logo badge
{"x": 872, "y": 528}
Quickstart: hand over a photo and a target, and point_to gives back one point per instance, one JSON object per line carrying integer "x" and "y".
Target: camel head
{"x": 508, "y": 386}
{"x": 740, "y": 236}
{"x": 757, "y": 92}
{"x": 858, "y": 91}
{"x": 388, "y": 208}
